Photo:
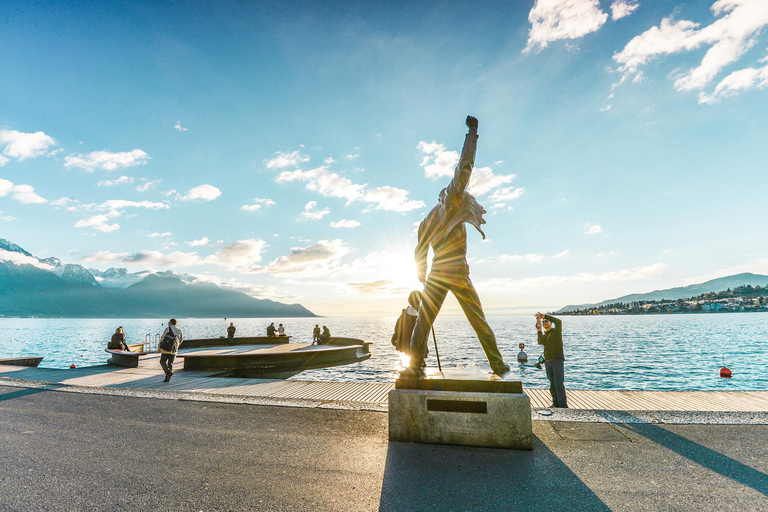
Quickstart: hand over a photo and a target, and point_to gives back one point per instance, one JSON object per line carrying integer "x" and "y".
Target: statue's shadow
{"x": 429, "y": 477}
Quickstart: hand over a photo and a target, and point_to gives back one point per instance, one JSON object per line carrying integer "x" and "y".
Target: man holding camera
{"x": 552, "y": 339}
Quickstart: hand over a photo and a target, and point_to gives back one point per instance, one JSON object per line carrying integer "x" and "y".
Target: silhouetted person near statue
{"x": 444, "y": 230}
{"x": 316, "y": 334}
{"x": 401, "y": 339}
{"x": 554, "y": 358}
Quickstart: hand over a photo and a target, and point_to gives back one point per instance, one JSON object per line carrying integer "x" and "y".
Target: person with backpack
{"x": 401, "y": 339}
{"x": 168, "y": 346}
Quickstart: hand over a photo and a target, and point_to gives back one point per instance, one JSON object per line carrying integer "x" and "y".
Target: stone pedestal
{"x": 461, "y": 411}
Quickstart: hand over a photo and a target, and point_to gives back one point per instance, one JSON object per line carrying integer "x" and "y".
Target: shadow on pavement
{"x": 706, "y": 457}
{"x": 20, "y": 393}
{"x": 428, "y": 477}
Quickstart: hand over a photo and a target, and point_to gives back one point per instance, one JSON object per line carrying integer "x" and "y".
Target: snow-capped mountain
{"x": 30, "y": 286}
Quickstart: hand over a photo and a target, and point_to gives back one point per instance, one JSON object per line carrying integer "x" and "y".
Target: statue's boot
{"x": 414, "y": 371}
{"x": 501, "y": 370}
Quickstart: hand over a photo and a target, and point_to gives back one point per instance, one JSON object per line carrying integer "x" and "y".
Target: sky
{"x": 290, "y": 149}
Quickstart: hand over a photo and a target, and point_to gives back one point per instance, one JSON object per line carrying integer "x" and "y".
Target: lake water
{"x": 654, "y": 352}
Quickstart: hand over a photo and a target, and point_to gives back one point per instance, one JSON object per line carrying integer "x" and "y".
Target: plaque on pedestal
{"x": 462, "y": 408}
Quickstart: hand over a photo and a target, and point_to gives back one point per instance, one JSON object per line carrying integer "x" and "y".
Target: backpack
{"x": 168, "y": 343}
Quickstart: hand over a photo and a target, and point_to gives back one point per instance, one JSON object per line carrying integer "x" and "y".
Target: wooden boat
{"x": 242, "y": 340}
{"x": 22, "y": 361}
{"x": 275, "y": 361}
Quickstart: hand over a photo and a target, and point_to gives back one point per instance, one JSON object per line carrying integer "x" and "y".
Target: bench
{"x": 123, "y": 358}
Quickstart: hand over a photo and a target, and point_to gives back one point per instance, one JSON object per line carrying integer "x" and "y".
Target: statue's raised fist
{"x": 471, "y": 123}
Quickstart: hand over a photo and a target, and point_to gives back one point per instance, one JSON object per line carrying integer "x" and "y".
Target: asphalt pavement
{"x": 84, "y": 452}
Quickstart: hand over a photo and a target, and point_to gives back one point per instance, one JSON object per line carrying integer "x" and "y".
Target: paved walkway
{"x": 360, "y": 395}
{"x": 88, "y": 452}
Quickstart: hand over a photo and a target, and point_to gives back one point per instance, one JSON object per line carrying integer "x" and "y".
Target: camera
{"x": 540, "y": 362}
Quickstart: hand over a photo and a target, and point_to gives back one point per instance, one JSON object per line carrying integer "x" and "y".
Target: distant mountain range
{"x": 683, "y": 292}
{"x": 33, "y": 287}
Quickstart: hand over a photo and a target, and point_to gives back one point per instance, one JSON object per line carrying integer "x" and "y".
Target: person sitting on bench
{"x": 118, "y": 341}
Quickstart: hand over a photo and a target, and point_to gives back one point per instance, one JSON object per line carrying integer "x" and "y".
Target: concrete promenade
{"x": 92, "y": 452}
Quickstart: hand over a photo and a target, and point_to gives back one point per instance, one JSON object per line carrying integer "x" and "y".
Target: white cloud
{"x": 148, "y": 185}
{"x": 160, "y": 235}
{"x": 438, "y": 161}
{"x": 585, "y": 277}
{"x": 506, "y": 194}
{"x": 282, "y": 160}
{"x": 593, "y": 229}
{"x": 3, "y": 160}
{"x": 316, "y": 258}
{"x": 179, "y": 127}
{"x": 202, "y": 193}
{"x": 352, "y": 157}
{"x": 392, "y": 199}
{"x": 240, "y": 255}
{"x": 100, "y": 222}
{"x": 483, "y": 180}
{"x": 532, "y": 258}
{"x": 17, "y": 258}
{"x": 156, "y": 259}
{"x": 61, "y": 202}
{"x": 5, "y": 187}
{"x": 623, "y": 8}
{"x": 329, "y": 161}
{"x": 344, "y": 223}
{"x": 729, "y": 38}
{"x": 554, "y": 20}
{"x": 152, "y": 259}
{"x": 118, "y": 204}
{"x": 106, "y": 160}
{"x": 104, "y": 257}
{"x": 737, "y": 81}
{"x": 24, "y": 194}
{"x": 258, "y": 203}
{"x": 310, "y": 211}
{"x": 198, "y": 243}
{"x": 122, "y": 180}
{"x": 562, "y": 254}
{"x": 20, "y": 145}
{"x": 332, "y": 184}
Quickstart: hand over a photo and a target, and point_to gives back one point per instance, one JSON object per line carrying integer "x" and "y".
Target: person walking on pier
{"x": 231, "y": 333}
{"x": 168, "y": 346}
{"x": 554, "y": 358}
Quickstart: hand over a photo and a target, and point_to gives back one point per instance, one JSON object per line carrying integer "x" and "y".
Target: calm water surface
{"x": 655, "y": 352}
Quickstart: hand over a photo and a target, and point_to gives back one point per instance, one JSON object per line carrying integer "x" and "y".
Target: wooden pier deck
{"x": 149, "y": 376}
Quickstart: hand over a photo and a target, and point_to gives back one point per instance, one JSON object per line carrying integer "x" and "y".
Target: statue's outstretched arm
{"x": 463, "y": 170}
{"x": 422, "y": 251}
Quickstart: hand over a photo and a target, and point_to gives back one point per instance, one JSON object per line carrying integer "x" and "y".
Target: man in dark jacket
{"x": 444, "y": 230}
{"x": 552, "y": 339}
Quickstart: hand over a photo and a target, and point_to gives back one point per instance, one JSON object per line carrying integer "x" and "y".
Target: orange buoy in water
{"x": 725, "y": 373}
{"x": 72, "y": 366}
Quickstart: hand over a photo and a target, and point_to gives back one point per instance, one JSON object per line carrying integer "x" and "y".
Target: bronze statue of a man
{"x": 444, "y": 229}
